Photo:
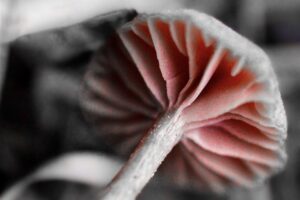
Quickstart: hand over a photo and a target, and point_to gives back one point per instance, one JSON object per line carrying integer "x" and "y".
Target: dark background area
{"x": 40, "y": 118}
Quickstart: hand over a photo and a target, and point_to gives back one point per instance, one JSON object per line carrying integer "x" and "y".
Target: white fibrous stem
{"x": 147, "y": 157}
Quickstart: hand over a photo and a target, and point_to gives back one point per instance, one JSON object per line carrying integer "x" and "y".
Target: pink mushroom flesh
{"x": 155, "y": 65}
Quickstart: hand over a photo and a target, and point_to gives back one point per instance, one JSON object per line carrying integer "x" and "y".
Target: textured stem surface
{"x": 147, "y": 157}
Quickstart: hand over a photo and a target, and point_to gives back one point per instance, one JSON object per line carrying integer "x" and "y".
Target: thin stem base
{"x": 147, "y": 157}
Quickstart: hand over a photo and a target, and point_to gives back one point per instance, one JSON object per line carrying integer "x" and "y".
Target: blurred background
{"x": 41, "y": 74}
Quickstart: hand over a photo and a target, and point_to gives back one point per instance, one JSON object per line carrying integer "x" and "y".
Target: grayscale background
{"x": 41, "y": 74}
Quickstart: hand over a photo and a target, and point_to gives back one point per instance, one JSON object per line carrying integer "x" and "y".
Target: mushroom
{"x": 180, "y": 86}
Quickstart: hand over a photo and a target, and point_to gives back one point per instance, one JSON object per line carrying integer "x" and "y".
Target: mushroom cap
{"x": 223, "y": 85}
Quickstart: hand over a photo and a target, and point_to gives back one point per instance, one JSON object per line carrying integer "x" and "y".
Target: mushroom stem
{"x": 146, "y": 158}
